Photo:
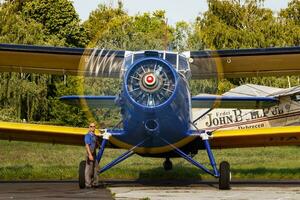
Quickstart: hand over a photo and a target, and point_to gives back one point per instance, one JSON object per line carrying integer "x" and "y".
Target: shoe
{"x": 88, "y": 187}
{"x": 96, "y": 186}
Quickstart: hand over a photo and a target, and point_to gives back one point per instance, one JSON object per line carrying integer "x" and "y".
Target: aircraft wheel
{"x": 225, "y": 176}
{"x": 168, "y": 164}
{"x": 81, "y": 179}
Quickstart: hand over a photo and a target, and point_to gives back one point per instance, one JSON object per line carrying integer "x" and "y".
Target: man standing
{"x": 90, "y": 139}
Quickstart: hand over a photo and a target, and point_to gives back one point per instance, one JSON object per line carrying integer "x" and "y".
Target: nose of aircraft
{"x": 149, "y": 80}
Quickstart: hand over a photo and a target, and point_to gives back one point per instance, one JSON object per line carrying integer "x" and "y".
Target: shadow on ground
{"x": 29, "y": 172}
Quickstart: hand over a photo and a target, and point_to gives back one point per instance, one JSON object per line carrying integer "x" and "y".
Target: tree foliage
{"x": 233, "y": 25}
{"x": 29, "y": 96}
{"x": 59, "y": 18}
{"x": 236, "y": 24}
{"x": 113, "y": 28}
{"x": 16, "y": 28}
{"x": 290, "y": 19}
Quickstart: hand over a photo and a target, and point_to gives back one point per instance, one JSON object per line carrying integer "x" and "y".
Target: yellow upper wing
{"x": 221, "y": 139}
{"x": 204, "y": 64}
{"x": 245, "y": 62}
{"x": 60, "y": 60}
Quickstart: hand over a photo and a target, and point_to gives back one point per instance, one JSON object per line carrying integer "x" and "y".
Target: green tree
{"x": 292, "y": 12}
{"x": 181, "y": 36}
{"x": 100, "y": 18}
{"x": 64, "y": 114}
{"x": 22, "y": 96}
{"x": 236, "y": 24}
{"x": 150, "y": 31}
{"x": 290, "y": 19}
{"x": 233, "y": 25}
{"x": 113, "y": 28}
{"x": 16, "y": 28}
{"x": 30, "y": 96}
{"x": 58, "y": 18}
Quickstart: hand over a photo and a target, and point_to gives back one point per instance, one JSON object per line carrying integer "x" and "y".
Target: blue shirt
{"x": 91, "y": 140}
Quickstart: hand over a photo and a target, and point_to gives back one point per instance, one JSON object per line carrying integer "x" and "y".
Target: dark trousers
{"x": 91, "y": 177}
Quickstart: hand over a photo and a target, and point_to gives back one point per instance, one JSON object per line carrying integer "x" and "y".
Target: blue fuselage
{"x": 149, "y": 115}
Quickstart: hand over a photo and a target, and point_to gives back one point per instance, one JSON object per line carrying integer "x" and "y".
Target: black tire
{"x": 225, "y": 176}
{"x": 81, "y": 178}
{"x": 168, "y": 165}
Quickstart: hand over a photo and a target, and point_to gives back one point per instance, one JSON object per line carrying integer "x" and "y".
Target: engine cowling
{"x": 150, "y": 82}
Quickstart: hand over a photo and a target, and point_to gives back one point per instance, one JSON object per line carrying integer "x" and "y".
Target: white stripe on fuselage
{"x": 286, "y": 113}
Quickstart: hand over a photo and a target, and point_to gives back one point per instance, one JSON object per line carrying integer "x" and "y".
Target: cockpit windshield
{"x": 178, "y": 61}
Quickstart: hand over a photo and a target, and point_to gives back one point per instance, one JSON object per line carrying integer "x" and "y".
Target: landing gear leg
{"x": 167, "y": 164}
{"x": 223, "y": 174}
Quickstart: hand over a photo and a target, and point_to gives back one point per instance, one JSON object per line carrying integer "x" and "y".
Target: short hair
{"x": 92, "y": 123}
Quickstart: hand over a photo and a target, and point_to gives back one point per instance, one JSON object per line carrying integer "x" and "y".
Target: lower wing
{"x": 221, "y": 139}
{"x": 42, "y": 133}
{"x": 242, "y": 102}
{"x": 258, "y": 137}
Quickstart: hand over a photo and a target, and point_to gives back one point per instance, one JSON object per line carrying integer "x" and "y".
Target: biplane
{"x": 160, "y": 118}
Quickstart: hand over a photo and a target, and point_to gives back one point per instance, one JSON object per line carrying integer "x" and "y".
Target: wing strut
{"x": 206, "y": 112}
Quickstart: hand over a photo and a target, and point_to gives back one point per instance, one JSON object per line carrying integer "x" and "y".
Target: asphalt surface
{"x": 154, "y": 190}
{"x": 50, "y": 190}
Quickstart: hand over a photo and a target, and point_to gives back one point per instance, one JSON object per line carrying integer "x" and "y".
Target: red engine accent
{"x": 150, "y": 79}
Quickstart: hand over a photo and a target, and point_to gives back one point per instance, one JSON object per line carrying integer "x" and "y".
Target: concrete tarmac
{"x": 206, "y": 193}
{"x": 161, "y": 190}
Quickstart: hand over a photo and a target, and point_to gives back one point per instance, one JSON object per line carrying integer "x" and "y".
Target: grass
{"x": 37, "y": 161}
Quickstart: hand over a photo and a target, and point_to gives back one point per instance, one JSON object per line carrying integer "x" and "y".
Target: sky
{"x": 176, "y": 10}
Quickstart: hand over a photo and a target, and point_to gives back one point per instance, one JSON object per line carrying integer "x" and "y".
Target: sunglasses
{"x": 92, "y": 126}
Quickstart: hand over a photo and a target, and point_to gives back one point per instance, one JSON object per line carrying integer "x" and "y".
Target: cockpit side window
{"x": 183, "y": 64}
{"x": 138, "y": 56}
{"x": 172, "y": 58}
{"x": 128, "y": 61}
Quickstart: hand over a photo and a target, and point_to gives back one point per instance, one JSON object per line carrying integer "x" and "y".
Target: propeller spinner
{"x": 149, "y": 80}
